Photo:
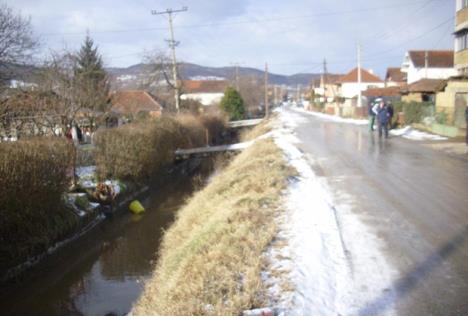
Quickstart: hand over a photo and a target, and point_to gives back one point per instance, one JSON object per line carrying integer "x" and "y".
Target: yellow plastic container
{"x": 136, "y": 207}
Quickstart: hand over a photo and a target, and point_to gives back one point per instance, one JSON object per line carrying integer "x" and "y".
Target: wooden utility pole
{"x": 172, "y": 44}
{"x": 267, "y": 106}
{"x": 325, "y": 72}
{"x": 275, "y": 93}
{"x": 359, "y": 75}
{"x": 426, "y": 64}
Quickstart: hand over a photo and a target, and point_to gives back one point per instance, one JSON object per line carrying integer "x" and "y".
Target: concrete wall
{"x": 446, "y": 100}
{"x": 462, "y": 16}
{"x": 461, "y": 59}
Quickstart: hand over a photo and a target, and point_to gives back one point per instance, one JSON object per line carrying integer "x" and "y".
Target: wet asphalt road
{"x": 414, "y": 199}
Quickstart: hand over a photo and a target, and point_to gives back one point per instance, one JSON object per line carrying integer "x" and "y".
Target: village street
{"x": 412, "y": 200}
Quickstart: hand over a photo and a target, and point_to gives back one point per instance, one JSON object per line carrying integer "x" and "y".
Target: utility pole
{"x": 236, "y": 65}
{"x": 426, "y": 64}
{"x": 275, "y": 93}
{"x": 325, "y": 71}
{"x": 267, "y": 106}
{"x": 359, "y": 75}
{"x": 172, "y": 44}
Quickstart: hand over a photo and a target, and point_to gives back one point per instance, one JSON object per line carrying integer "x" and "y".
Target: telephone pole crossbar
{"x": 172, "y": 44}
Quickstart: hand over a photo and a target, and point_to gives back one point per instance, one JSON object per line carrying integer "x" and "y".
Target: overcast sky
{"x": 293, "y": 36}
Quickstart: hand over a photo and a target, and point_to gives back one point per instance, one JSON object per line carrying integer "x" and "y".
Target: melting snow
{"x": 335, "y": 271}
{"x": 410, "y": 133}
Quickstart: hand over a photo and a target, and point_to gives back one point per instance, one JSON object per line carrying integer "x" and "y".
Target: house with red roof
{"x": 207, "y": 92}
{"x": 131, "y": 103}
{"x": 428, "y": 64}
{"x": 350, "y": 86}
{"x": 395, "y": 77}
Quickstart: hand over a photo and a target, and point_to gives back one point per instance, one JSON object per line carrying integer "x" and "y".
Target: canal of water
{"x": 104, "y": 272}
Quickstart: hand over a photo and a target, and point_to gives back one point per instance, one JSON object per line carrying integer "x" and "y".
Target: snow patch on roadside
{"x": 334, "y": 118}
{"x": 329, "y": 276}
{"x": 410, "y": 133}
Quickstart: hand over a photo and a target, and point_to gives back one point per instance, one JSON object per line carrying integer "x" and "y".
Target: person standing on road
{"x": 373, "y": 107}
{"x": 370, "y": 110}
{"x": 382, "y": 119}
{"x": 390, "y": 114}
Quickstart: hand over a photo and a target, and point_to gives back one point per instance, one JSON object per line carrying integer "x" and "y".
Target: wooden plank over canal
{"x": 244, "y": 123}
{"x": 206, "y": 151}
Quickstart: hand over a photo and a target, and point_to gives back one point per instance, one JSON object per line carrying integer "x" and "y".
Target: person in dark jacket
{"x": 390, "y": 114}
{"x": 382, "y": 119}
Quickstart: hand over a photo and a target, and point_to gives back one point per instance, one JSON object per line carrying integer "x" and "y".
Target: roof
{"x": 134, "y": 101}
{"x": 427, "y": 85}
{"x": 204, "y": 86}
{"x": 330, "y": 79}
{"x": 366, "y": 76}
{"x": 395, "y": 75}
{"x": 382, "y": 92}
{"x": 436, "y": 58}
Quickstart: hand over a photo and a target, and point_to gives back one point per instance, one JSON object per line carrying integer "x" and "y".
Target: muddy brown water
{"x": 104, "y": 272}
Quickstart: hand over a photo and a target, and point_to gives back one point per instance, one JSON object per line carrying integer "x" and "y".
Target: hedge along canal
{"x": 103, "y": 272}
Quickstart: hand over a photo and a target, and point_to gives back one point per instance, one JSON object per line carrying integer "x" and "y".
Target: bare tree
{"x": 17, "y": 41}
{"x": 252, "y": 91}
{"x": 59, "y": 78}
{"x": 158, "y": 79}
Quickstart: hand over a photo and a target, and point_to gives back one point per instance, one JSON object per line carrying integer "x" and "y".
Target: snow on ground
{"x": 410, "y": 133}
{"x": 332, "y": 117}
{"x": 333, "y": 273}
{"x": 407, "y": 132}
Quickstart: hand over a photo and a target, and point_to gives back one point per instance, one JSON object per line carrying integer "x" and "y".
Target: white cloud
{"x": 249, "y": 31}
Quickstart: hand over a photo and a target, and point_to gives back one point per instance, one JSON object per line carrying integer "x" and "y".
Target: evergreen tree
{"x": 89, "y": 62}
{"x": 233, "y": 104}
{"x": 91, "y": 81}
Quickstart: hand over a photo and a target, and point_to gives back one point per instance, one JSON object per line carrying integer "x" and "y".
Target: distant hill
{"x": 130, "y": 77}
{"x": 134, "y": 76}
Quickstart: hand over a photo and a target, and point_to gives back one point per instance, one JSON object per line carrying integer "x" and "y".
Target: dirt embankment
{"x": 211, "y": 258}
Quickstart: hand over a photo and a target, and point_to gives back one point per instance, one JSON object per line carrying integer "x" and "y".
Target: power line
{"x": 267, "y": 20}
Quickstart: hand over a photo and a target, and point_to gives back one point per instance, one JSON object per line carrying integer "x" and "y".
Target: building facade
{"x": 428, "y": 64}
{"x": 461, "y": 37}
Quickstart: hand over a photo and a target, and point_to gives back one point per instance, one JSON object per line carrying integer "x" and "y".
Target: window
{"x": 462, "y": 41}
{"x": 461, "y": 4}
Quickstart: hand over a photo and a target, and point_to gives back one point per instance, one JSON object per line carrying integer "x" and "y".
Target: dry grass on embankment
{"x": 211, "y": 258}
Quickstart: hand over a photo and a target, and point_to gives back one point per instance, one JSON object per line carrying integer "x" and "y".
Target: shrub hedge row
{"x": 34, "y": 174}
{"x": 137, "y": 151}
{"x": 414, "y": 112}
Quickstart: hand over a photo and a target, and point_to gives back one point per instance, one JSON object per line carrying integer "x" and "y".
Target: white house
{"x": 350, "y": 86}
{"x": 429, "y": 64}
{"x": 207, "y": 92}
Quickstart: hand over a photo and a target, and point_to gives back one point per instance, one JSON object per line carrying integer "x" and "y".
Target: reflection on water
{"x": 104, "y": 272}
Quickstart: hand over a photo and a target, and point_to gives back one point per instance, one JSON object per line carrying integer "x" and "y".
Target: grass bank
{"x": 211, "y": 258}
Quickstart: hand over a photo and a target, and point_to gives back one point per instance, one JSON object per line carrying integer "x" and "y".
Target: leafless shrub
{"x": 33, "y": 176}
